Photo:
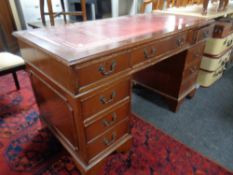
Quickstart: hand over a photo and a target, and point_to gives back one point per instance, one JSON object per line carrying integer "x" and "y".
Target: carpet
{"x": 27, "y": 147}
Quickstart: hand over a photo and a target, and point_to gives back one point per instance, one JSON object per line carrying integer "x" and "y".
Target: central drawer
{"x": 104, "y": 98}
{"x": 158, "y": 48}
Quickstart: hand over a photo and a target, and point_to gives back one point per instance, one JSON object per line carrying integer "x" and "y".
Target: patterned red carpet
{"x": 26, "y": 147}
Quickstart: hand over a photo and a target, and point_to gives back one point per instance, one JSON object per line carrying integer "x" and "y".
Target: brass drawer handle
{"x": 180, "y": 41}
{"x": 151, "y": 53}
{"x": 109, "y": 142}
{"x": 104, "y": 100}
{"x": 106, "y": 73}
{"x": 109, "y": 123}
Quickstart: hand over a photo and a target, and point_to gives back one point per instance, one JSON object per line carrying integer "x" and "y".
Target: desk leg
{"x": 174, "y": 105}
{"x": 191, "y": 94}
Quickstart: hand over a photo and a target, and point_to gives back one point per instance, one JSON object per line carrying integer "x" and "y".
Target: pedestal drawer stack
{"x": 216, "y": 54}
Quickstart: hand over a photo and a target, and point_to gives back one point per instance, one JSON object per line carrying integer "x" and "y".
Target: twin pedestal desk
{"x": 82, "y": 76}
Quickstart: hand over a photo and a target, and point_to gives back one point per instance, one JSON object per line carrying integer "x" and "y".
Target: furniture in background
{"x": 31, "y": 10}
{"x": 10, "y": 63}
{"x": 115, "y": 5}
{"x": 53, "y": 14}
{"x": 145, "y": 3}
{"x": 85, "y": 98}
{"x": 159, "y": 4}
{"x": 221, "y": 7}
{"x": 217, "y": 53}
{"x": 7, "y": 26}
{"x": 91, "y": 6}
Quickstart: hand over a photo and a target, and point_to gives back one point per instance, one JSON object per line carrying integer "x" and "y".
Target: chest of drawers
{"x": 206, "y": 78}
{"x": 222, "y": 38}
{"x": 212, "y": 69}
{"x": 213, "y": 63}
{"x": 217, "y": 53}
{"x": 217, "y": 46}
{"x": 82, "y": 76}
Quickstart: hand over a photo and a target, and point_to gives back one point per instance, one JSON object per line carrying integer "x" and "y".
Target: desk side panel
{"x": 47, "y": 65}
{"x": 55, "y": 109}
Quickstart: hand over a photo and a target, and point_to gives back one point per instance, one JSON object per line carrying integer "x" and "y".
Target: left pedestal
{"x": 91, "y": 124}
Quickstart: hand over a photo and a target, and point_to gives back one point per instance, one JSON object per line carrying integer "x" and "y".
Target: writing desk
{"x": 81, "y": 75}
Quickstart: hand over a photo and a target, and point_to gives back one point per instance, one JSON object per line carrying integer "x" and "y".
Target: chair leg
{"x": 83, "y": 8}
{"x": 50, "y": 9}
{"x": 63, "y": 10}
{"x": 16, "y": 80}
{"x": 42, "y": 12}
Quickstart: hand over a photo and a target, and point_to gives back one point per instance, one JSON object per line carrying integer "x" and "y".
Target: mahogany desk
{"x": 81, "y": 75}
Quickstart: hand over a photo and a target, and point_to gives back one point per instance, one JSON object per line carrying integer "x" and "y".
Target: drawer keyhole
{"x": 109, "y": 123}
{"x": 109, "y": 142}
{"x": 104, "y": 100}
{"x": 103, "y": 71}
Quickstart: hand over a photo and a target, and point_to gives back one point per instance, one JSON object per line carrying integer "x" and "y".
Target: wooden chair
{"x": 156, "y": 4}
{"x": 53, "y": 14}
{"x": 10, "y": 63}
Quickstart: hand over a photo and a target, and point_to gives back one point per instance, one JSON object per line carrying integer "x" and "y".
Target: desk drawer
{"x": 192, "y": 69}
{"x": 107, "y": 139}
{"x": 188, "y": 83}
{"x": 107, "y": 120}
{"x": 101, "y": 68}
{"x": 105, "y": 98}
{"x": 204, "y": 33}
{"x": 194, "y": 54}
{"x": 158, "y": 48}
